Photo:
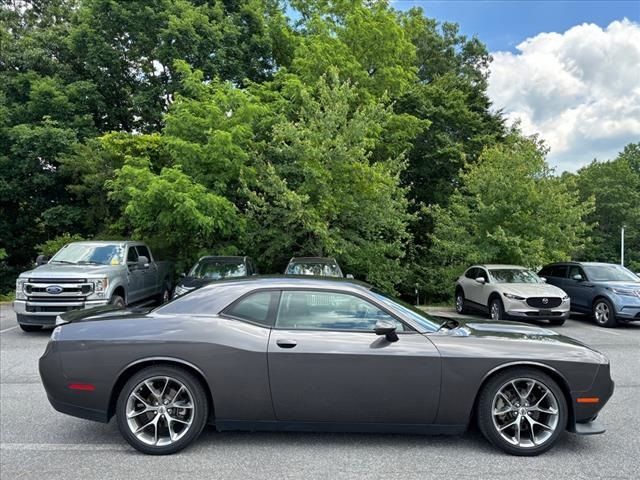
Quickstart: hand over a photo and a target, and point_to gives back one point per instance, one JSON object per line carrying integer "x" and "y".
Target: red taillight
{"x": 87, "y": 387}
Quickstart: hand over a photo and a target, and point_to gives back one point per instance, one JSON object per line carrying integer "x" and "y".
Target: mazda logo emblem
{"x": 54, "y": 289}
{"x": 545, "y": 301}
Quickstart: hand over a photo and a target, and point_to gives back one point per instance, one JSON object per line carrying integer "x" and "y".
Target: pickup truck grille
{"x": 539, "y": 302}
{"x": 58, "y": 289}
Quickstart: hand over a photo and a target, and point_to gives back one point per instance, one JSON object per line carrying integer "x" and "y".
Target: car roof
{"x": 291, "y": 281}
{"x": 580, "y": 263}
{"x": 107, "y": 242}
{"x": 223, "y": 258}
{"x": 313, "y": 259}
{"x": 497, "y": 265}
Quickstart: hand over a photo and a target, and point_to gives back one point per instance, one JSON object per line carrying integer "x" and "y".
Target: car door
{"x": 480, "y": 291}
{"x": 136, "y": 276}
{"x": 581, "y": 291}
{"x": 469, "y": 284}
{"x": 150, "y": 280}
{"x": 327, "y": 365}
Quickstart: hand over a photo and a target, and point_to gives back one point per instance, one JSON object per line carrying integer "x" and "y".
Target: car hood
{"x": 532, "y": 289}
{"x": 628, "y": 285}
{"x": 60, "y": 270}
{"x": 193, "y": 282}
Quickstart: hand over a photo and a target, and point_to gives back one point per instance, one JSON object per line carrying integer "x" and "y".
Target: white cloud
{"x": 580, "y": 90}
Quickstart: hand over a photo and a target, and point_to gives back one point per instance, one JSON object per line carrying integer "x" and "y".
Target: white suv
{"x": 510, "y": 292}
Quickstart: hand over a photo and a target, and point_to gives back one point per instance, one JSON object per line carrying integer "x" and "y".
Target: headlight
{"x": 513, "y": 297}
{"x": 626, "y": 291}
{"x": 180, "y": 290}
{"x": 20, "y": 295}
{"x": 100, "y": 285}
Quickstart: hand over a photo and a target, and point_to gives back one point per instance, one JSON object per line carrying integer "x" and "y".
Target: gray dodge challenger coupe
{"x": 311, "y": 354}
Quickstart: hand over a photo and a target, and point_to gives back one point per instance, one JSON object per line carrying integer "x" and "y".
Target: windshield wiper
{"x": 89, "y": 262}
{"x": 62, "y": 261}
{"x": 450, "y": 324}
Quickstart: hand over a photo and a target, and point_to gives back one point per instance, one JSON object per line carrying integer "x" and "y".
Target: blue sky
{"x": 502, "y": 25}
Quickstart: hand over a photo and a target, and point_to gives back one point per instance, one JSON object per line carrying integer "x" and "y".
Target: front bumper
{"x": 520, "y": 310}
{"x": 583, "y": 421}
{"x": 44, "y": 313}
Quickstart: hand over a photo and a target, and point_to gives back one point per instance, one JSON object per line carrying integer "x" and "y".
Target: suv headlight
{"x": 626, "y": 291}
{"x": 20, "y": 295}
{"x": 513, "y": 297}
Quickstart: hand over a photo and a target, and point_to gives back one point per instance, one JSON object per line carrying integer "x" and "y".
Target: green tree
{"x": 510, "y": 208}
{"x": 615, "y": 186}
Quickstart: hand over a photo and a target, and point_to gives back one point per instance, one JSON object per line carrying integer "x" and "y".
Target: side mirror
{"x": 386, "y": 328}
{"x": 348, "y": 275}
{"x": 183, "y": 275}
{"x": 481, "y": 280}
{"x": 577, "y": 277}
{"x": 41, "y": 260}
{"x": 143, "y": 262}
{"x": 544, "y": 279}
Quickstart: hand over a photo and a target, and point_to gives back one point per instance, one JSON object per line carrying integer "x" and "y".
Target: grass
{"x": 7, "y": 297}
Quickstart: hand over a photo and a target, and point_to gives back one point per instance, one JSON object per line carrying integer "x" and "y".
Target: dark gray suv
{"x": 610, "y": 292}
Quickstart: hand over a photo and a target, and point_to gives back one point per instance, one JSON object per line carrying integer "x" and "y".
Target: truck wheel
{"x": 165, "y": 295}
{"x": 117, "y": 301}
{"x": 30, "y": 328}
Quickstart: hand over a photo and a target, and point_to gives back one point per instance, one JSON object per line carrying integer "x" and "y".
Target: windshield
{"x": 514, "y": 275}
{"x": 428, "y": 323}
{"x": 90, "y": 253}
{"x": 609, "y": 273}
{"x": 216, "y": 270}
{"x": 317, "y": 269}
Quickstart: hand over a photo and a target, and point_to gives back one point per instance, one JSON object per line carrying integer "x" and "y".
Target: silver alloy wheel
{"x": 165, "y": 295}
{"x": 160, "y": 411}
{"x": 459, "y": 303}
{"x": 495, "y": 311}
{"x": 525, "y": 412}
{"x": 602, "y": 312}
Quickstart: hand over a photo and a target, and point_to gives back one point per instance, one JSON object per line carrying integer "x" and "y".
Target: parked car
{"x": 293, "y": 353}
{"x": 211, "y": 268}
{"x": 90, "y": 274}
{"x": 510, "y": 292}
{"x": 610, "y": 292}
{"x": 318, "y": 266}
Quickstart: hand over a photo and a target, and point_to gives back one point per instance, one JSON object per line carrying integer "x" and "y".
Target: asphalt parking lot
{"x": 38, "y": 442}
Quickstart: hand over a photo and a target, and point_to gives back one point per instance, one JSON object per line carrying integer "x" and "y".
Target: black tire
{"x": 165, "y": 294}
{"x": 200, "y": 408}
{"x": 117, "y": 301}
{"x": 604, "y": 314}
{"x": 557, "y": 322}
{"x": 460, "y": 307}
{"x": 30, "y": 328}
{"x": 486, "y": 418}
{"x": 499, "y": 306}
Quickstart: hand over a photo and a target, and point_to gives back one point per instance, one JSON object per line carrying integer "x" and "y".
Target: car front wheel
{"x": 496, "y": 309}
{"x": 522, "y": 411}
{"x": 460, "y": 308}
{"x": 604, "y": 314}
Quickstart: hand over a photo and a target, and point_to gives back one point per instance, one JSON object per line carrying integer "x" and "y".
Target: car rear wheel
{"x": 460, "y": 308}
{"x": 604, "y": 314}
{"x": 496, "y": 309}
{"x": 522, "y": 411}
{"x": 161, "y": 410}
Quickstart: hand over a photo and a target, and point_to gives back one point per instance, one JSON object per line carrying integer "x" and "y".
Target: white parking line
{"x": 63, "y": 446}
{"x": 604, "y": 330}
{"x": 7, "y": 329}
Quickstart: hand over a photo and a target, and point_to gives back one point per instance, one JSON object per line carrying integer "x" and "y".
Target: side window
{"x": 483, "y": 274}
{"x": 471, "y": 273}
{"x": 559, "y": 271}
{"x": 316, "y": 310}
{"x": 132, "y": 255}
{"x": 254, "y": 308}
{"x": 143, "y": 251}
{"x": 576, "y": 270}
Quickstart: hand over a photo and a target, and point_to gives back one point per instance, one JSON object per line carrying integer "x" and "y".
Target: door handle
{"x": 286, "y": 343}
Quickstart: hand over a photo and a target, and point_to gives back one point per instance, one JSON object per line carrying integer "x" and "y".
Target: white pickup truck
{"x": 90, "y": 274}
